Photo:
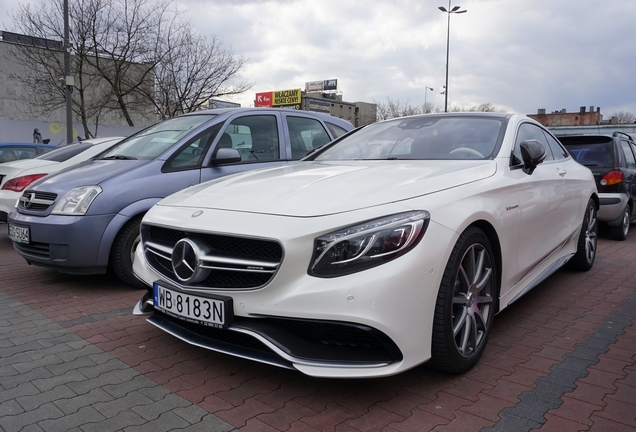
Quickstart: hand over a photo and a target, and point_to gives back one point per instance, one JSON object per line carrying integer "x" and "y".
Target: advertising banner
{"x": 318, "y": 86}
{"x": 320, "y": 106}
{"x": 263, "y": 99}
{"x": 286, "y": 97}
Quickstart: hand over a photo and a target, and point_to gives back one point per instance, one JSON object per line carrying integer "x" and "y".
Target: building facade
{"x": 19, "y": 120}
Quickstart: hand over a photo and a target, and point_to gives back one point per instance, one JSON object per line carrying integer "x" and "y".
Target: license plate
{"x": 215, "y": 312}
{"x": 19, "y": 234}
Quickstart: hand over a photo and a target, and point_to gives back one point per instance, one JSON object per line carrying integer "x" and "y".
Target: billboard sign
{"x": 289, "y": 99}
{"x": 319, "y": 106}
{"x": 286, "y": 97}
{"x": 263, "y": 99}
{"x": 318, "y": 86}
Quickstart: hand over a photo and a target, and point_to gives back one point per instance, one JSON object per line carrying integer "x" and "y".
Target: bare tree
{"x": 395, "y": 108}
{"x": 484, "y": 107}
{"x": 127, "y": 56}
{"x": 623, "y": 117}
{"x": 40, "y": 60}
{"x": 193, "y": 70}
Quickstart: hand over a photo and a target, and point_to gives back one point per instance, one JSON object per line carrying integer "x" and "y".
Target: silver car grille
{"x": 224, "y": 262}
{"x": 36, "y": 201}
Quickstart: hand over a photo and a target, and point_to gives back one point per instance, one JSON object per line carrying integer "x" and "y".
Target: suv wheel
{"x": 620, "y": 232}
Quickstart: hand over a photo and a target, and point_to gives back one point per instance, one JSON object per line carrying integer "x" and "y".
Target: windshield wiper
{"x": 118, "y": 157}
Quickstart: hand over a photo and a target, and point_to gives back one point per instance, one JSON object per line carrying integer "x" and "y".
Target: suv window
{"x": 629, "y": 156}
{"x": 591, "y": 151}
{"x": 255, "y": 137}
{"x": 305, "y": 134}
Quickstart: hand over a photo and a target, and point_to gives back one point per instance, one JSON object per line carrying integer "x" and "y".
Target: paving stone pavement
{"x": 73, "y": 358}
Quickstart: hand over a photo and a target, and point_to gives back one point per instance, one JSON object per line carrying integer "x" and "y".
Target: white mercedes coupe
{"x": 391, "y": 246}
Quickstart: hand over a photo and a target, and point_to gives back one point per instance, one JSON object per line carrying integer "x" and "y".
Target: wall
{"x": 12, "y": 130}
{"x": 13, "y": 108}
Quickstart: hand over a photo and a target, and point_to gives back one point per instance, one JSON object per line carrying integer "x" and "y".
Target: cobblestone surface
{"x": 74, "y": 358}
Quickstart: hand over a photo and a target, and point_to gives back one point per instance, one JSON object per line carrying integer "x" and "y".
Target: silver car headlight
{"x": 368, "y": 244}
{"x": 77, "y": 201}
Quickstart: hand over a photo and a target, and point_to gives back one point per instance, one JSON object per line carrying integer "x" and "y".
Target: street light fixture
{"x": 449, "y": 11}
{"x": 426, "y": 91}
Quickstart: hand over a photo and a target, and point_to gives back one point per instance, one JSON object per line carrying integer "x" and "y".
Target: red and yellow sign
{"x": 278, "y": 98}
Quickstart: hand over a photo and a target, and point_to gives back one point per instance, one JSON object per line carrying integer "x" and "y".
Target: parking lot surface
{"x": 74, "y": 358}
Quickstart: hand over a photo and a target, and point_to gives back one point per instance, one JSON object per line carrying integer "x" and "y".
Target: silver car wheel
{"x": 472, "y": 300}
{"x": 590, "y": 234}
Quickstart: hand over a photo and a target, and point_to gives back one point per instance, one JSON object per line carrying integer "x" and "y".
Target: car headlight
{"x": 77, "y": 201}
{"x": 368, "y": 244}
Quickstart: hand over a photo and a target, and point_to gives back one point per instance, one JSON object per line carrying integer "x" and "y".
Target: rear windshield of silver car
{"x": 422, "y": 138}
{"x": 151, "y": 142}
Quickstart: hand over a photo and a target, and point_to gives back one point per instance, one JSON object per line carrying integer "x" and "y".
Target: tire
{"x": 620, "y": 232}
{"x": 583, "y": 259}
{"x": 465, "y": 306}
{"x": 123, "y": 250}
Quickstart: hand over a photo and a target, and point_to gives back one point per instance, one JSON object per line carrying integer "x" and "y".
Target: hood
{"x": 306, "y": 189}
{"x": 91, "y": 172}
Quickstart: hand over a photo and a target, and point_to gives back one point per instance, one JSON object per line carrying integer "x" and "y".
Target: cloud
{"x": 519, "y": 56}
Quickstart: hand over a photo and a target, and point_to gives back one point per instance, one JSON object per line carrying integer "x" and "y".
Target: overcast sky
{"x": 518, "y": 55}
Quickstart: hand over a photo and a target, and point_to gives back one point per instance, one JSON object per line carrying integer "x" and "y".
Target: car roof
{"x": 221, "y": 111}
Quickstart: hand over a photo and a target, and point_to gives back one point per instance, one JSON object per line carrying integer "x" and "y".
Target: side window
{"x": 191, "y": 154}
{"x": 9, "y": 154}
{"x": 629, "y": 156}
{"x": 558, "y": 151}
{"x": 255, "y": 137}
{"x": 528, "y": 131}
{"x": 336, "y": 130}
{"x": 305, "y": 134}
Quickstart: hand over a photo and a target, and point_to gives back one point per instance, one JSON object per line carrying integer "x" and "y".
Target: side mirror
{"x": 226, "y": 156}
{"x": 533, "y": 153}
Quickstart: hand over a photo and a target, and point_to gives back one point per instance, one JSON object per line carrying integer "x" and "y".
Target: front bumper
{"x": 373, "y": 323}
{"x": 69, "y": 244}
{"x": 611, "y": 207}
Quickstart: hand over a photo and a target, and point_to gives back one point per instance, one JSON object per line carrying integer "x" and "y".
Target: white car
{"x": 392, "y": 246}
{"x": 16, "y": 176}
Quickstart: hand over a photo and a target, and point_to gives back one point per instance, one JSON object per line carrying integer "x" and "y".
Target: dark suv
{"x": 612, "y": 160}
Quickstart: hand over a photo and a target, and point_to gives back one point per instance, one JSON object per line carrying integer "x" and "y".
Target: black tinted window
{"x": 629, "y": 156}
{"x": 592, "y": 154}
{"x": 65, "y": 153}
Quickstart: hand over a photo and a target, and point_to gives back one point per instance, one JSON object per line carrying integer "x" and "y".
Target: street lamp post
{"x": 68, "y": 78}
{"x": 449, "y": 11}
{"x": 426, "y": 89}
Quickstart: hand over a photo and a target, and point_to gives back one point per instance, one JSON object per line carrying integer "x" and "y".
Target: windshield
{"x": 65, "y": 153}
{"x": 423, "y": 137}
{"x": 151, "y": 142}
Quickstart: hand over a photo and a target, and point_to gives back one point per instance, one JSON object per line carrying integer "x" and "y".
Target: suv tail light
{"x": 611, "y": 178}
{"x": 18, "y": 184}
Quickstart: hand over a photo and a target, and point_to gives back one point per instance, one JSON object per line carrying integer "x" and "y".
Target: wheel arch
{"x": 493, "y": 237}
{"x": 136, "y": 209}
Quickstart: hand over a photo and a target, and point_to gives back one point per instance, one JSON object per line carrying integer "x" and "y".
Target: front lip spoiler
{"x": 276, "y": 356}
